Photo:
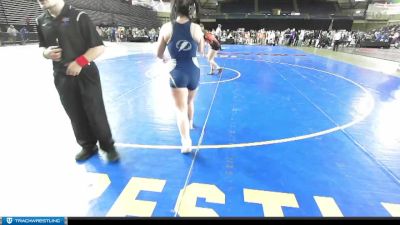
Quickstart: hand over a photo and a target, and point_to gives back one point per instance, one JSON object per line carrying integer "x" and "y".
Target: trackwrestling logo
{"x": 33, "y": 220}
{"x": 183, "y": 45}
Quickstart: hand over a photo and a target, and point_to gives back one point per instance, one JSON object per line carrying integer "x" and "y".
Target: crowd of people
{"x": 121, "y": 33}
{"x": 288, "y": 37}
{"x": 311, "y": 38}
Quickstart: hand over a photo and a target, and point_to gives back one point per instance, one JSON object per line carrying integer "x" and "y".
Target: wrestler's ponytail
{"x": 188, "y": 8}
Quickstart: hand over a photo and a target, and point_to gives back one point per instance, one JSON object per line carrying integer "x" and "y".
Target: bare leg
{"x": 210, "y": 57}
{"x": 181, "y": 102}
{"x": 191, "y": 96}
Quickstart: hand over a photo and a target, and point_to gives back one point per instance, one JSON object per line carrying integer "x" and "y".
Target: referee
{"x": 71, "y": 41}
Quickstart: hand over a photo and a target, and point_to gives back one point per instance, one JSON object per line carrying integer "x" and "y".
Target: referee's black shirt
{"x": 72, "y": 30}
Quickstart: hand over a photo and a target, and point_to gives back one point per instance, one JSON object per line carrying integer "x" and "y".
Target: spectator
{"x": 12, "y": 34}
{"x": 218, "y": 32}
{"x": 336, "y": 40}
{"x": 24, "y": 35}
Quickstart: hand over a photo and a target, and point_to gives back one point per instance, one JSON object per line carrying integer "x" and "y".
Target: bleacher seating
{"x": 111, "y": 12}
{"x": 204, "y": 11}
{"x": 102, "y": 12}
{"x": 17, "y": 11}
{"x": 3, "y": 18}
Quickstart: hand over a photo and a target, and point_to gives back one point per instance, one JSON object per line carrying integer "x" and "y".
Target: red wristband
{"x": 82, "y": 61}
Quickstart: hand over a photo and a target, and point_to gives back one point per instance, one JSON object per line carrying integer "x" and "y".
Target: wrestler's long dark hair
{"x": 185, "y": 8}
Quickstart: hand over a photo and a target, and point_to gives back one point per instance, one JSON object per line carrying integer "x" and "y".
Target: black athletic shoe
{"x": 85, "y": 154}
{"x": 112, "y": 155}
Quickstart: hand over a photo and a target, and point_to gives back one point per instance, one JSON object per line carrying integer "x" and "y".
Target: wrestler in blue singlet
{"x": 182, "y": 49}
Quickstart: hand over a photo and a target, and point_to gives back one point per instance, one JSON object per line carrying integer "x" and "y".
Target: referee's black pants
{"x": 82, "y": 99}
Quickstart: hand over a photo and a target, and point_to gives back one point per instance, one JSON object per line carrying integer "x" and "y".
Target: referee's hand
{"x": 73, "y": 69}
{"x": 53, "y": 52}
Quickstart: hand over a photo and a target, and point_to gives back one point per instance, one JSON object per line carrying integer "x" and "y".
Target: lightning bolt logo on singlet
{"x": 183, "y": 45}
